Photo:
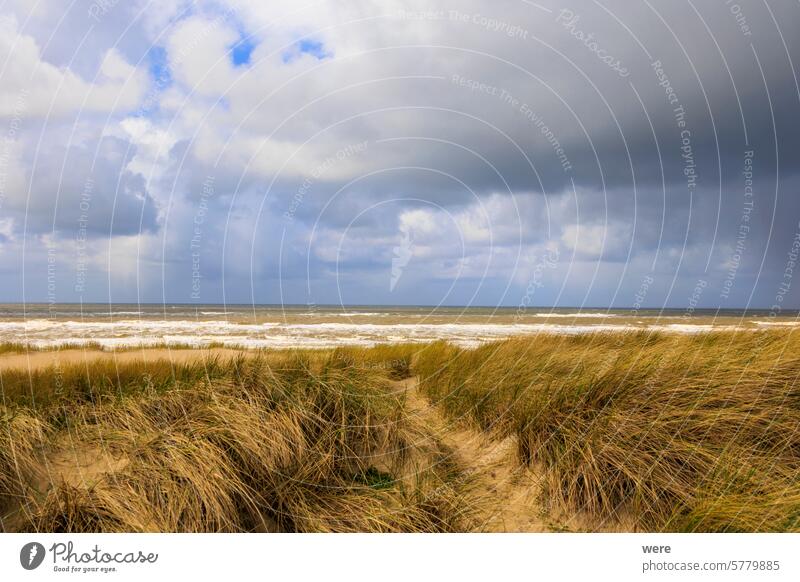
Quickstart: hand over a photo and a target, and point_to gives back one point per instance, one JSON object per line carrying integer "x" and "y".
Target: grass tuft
{"x": 687, "y": 433}
{"x": 284, "y": 442}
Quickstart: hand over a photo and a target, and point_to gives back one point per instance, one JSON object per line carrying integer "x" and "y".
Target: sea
{"x": 325, "y": 326}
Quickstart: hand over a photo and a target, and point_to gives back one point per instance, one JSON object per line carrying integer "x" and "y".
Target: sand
{"x": 511, "y": 492}
{"x": 37, "y": 360}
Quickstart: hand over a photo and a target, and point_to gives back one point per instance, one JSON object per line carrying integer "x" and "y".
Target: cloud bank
{"x": 434, "y": 152}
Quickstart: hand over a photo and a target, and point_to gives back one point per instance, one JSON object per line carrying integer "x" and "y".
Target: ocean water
{"x": 275, "y": 326}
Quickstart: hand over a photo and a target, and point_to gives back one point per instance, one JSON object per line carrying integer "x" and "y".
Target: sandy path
{"x": 508, "y": 493}
{"x": 37, "y": 360}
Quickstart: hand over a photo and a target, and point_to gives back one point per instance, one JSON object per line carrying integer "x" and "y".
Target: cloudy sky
{"x": 469, "y": 152}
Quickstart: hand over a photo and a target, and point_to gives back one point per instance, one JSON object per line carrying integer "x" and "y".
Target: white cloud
{"x": 6, "y": 230}
{"x": 198, "y": 54}
{"x": 45, "y": 90}
{"x": 153, "y": 146}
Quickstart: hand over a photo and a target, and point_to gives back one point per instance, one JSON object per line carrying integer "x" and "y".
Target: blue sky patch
{"x": 159, "y": 68}
{"x": 242, "y": 51}
{"x": 306, "y": 46}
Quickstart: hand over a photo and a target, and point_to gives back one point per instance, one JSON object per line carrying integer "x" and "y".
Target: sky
{"x": 471, "y": 152}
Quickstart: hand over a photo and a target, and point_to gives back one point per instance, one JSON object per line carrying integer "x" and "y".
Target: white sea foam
{"x": 123, "y": 333}
{"x": 576, "y": 315}
{"x": 688, "y": 327}
{"x": 344, "y": 314}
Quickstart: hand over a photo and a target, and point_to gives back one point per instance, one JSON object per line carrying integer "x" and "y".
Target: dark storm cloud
{"x": 638, "y": 138}
{"x": 661, "y": 149}
{"x": 495, "y": 94}
{"x": 83, "y": 191}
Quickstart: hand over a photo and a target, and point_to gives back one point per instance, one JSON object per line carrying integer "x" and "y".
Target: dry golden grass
{"x": 279, "y": 443}
{"x": 394, "y": 359}
{"x": 633, "y": 431}
{"x": 22, "y": 436}
{"x": 686, "y": 433}
{"x": 21, "y": 347}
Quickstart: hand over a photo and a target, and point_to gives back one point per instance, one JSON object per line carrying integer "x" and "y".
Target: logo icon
{"x": 31, "y": 555}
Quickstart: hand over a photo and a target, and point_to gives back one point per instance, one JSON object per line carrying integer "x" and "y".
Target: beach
{"x": 323, "y": 327}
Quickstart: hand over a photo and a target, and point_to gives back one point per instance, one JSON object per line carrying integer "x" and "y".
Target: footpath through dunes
{"x": 506, "y": 494}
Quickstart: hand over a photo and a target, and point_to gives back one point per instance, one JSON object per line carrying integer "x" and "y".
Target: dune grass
{"x": 394, "y": 359}
{"x": 664, "y": 432}
{"x": 22, "y": 435}
{"x": 686, "y": 433}
{"x": 93, "y": 346}
{"x": 284, "y": 442}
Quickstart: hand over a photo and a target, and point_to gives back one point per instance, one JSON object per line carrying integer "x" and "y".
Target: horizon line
{"x": 407, "y": 305}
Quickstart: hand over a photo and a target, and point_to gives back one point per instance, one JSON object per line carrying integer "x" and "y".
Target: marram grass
{"x": 286, "y": 443}
{"x": 636, "y": 431}
{"x": 684, "y": 433}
